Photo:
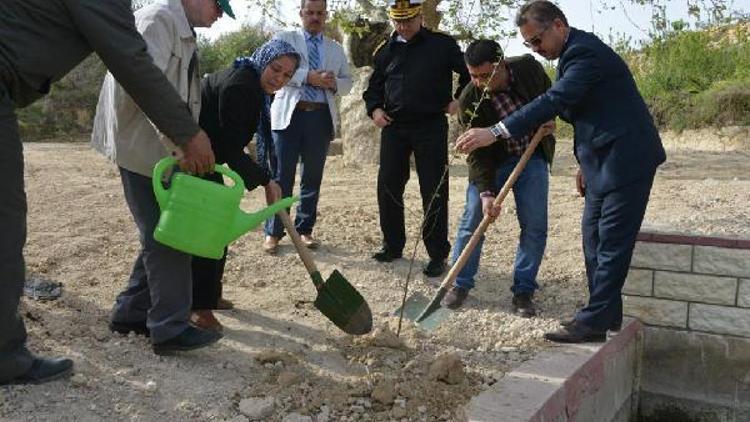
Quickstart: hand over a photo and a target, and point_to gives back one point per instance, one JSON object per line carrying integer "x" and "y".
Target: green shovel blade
{"x": 340, "y": 302}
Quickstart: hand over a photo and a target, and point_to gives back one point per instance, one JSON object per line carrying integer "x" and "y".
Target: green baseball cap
{"x": 224, "y": 5}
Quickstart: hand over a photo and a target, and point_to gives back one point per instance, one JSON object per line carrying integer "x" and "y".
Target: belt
{"x": 311, "y": 106}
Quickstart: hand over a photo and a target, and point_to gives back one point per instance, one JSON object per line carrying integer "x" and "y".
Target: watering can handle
{"x": 162, "y": 195}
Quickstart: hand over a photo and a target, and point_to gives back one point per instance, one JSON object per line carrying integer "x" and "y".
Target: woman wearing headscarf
{"x": 232, "y": 104}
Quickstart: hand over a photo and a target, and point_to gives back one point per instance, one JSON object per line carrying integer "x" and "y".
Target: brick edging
{"x": 589, "y": 377}
{"x": 696, "y": 240}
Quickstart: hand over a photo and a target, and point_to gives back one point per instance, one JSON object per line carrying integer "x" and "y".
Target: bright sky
{"x": 628, "y": 18}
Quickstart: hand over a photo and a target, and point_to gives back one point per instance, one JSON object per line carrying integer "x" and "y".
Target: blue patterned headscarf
{"x": 267, "y": 53}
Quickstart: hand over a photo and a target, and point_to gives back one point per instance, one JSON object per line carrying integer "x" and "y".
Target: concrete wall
{"x": 694, "y": 293}
{"x": 583, "y": 382}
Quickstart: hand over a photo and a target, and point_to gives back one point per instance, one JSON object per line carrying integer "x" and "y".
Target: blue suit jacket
{"x": 615, "y": 139}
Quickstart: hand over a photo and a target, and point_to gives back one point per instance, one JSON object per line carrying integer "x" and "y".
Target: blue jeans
{"x": 307, "y": 139}
{"x": 530, "y": 192}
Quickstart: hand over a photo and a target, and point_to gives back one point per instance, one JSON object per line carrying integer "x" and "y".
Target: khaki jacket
{"x": 121, "y": 131}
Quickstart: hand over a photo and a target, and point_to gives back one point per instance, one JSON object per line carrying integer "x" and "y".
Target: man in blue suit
{"x": 615, "y": 142}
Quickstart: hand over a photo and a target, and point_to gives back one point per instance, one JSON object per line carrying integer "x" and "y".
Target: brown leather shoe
{"x": 523, "y": 306}
{"x": 270, "y": 245}
{"x": 309, "y": 241}
{"x": 205, "y": 319}
{"x": 224, "y": 304}
{"x": 455, "y": 297}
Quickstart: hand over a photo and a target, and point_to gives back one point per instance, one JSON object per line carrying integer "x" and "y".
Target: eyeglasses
{"x": 536, "y": 40}
{"x": 218, "y": 6}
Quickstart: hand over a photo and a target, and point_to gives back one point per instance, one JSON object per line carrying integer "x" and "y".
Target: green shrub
{"x": 693, "y": 79}
{"x": 220, "y": 53}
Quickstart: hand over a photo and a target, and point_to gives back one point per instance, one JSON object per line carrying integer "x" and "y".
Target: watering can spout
{"x": 244, "y": 222}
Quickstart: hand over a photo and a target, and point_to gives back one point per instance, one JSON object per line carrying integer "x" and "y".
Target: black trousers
{"x": 428, "y": 141}
{"x": 15, "y": 359}
{"x": 208, "y": 273}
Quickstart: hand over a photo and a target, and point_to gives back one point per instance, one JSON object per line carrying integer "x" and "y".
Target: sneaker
{"x": 190, "y": 339}
{"x": 523, "y": 305}
{"x": 455, "y": 297}
{"x": 386, "y": 255}
{"x": 434, "y": 268}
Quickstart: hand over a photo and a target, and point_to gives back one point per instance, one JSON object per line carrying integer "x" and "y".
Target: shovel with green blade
{"x": 337, "y": 299}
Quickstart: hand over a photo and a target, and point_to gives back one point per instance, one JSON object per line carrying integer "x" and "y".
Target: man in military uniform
{"x": 408, "y": 95}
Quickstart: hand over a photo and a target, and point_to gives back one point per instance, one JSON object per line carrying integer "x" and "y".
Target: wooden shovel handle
{"x": 302, "y": 250}
{"x": 487, "y": 220}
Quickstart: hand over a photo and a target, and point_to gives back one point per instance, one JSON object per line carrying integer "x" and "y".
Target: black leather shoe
{"x": 190, "y": 339}
{"x": 126, "y": 327}
{"x": 386, "y": 255}
{"x": 576, "y": 333}
{"x": 455, "y": 297}
{"x": 523, "y": 306}
{"x": 45, "y": 369}
{"x": 614, "y": 327}
{"x": 434, "y": 268}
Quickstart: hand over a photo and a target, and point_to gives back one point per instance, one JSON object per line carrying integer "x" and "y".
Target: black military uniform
{"x": 412, "y": 82}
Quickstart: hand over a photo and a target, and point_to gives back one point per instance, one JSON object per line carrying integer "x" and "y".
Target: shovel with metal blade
{"x": 338, "y": 300}
{"x": 432, "y": 313}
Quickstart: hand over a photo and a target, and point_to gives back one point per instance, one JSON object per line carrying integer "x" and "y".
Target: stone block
{"x": 720, "y": 319}
{"x": 639, "y": 282}
{"x": 652, "y": 311}
{"x": 722, "y": 261}
{"x": 662, "y": 256}
{"x": 695, "y": 287}
{"x": 743, "y": 294}
{"x": 709, "y": 368}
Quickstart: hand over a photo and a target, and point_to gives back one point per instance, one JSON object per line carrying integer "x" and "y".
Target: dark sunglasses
{"x": 536, "y": 40}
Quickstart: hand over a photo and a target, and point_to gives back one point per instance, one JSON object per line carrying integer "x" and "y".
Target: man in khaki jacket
{"x": 40, "y": 42}
{"x": 158, "y": 296}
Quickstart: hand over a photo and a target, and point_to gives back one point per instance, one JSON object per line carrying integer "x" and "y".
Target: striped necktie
{"x": 313, "y": 56}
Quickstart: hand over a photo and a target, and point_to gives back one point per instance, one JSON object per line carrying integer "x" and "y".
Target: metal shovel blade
{"x": 413, "y": 310}
{"x": 340, "y": 302}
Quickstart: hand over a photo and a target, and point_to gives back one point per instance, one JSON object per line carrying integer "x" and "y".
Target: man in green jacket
{"x": 40, "y": 42}
{"x": 499, "y": 87}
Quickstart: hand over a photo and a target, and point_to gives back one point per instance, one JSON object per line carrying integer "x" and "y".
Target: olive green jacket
{"x": 529, "y": 81}
{"x": 42, "y": 40}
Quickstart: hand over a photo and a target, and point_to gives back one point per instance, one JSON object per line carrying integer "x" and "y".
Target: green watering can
{"x": 202, "y": 217}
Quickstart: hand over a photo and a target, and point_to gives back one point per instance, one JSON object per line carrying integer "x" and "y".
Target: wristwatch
{"x": 495, "y": 130}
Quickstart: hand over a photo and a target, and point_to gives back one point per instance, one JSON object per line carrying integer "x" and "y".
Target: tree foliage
{"x": 218, "y": 54}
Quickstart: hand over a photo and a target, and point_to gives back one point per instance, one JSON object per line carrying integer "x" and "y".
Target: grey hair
{"x": 542, "y": 12}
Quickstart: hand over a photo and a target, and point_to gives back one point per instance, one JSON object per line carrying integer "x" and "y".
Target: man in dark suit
{"x": 615, "y": 142}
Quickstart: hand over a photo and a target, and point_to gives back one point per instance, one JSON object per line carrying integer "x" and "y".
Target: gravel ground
{"x": 280, "y": 359}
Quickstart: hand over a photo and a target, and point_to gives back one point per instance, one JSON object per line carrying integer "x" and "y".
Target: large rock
{"x": 361, "y": 138}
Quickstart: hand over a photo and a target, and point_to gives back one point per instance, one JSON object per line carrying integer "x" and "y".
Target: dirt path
{"x": 277, "y": 347}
